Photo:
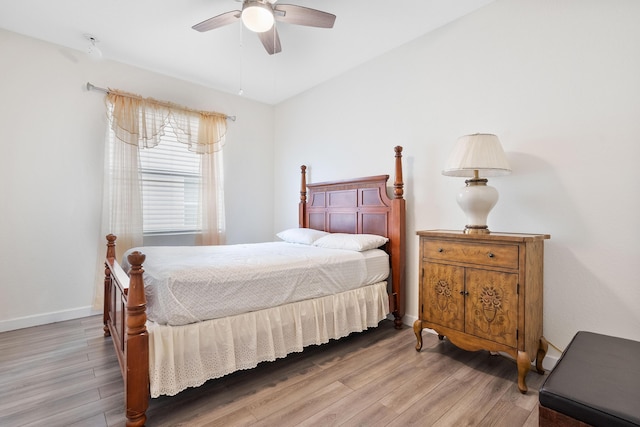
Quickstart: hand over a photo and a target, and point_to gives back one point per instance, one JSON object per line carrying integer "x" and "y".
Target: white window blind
{"x": 171, "y": 182}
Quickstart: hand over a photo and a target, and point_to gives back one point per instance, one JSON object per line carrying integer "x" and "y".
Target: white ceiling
{"x": 157, "y": 35}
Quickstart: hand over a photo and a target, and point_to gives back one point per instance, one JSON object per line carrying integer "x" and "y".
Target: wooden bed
{"x": 357, "y": 206}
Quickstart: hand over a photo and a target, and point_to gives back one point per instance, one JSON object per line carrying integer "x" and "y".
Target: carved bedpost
{"x": 136, "y": 381}
{"x": 302, "y": 206}
{"x": 398, "y": 185}
{"x": 398, "y": 243}
{"x": 111, "y": 254}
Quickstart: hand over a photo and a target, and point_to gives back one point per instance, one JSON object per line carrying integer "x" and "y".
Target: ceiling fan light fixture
{"x": 257, "y": 16}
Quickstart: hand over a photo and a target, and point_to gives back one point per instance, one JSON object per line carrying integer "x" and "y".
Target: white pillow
{"x": 304, "y": 236}
{"x": 352, "y": 242}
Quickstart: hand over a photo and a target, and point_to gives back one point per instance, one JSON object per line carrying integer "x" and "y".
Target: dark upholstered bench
{"x": 596, "y": 382}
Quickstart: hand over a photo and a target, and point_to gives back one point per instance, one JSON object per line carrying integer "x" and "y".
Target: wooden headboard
{"x": 362, "y": 206}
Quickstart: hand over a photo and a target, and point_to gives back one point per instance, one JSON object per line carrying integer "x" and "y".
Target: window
{"x": 171, "y": 183}
{"x": 165, "y": 171}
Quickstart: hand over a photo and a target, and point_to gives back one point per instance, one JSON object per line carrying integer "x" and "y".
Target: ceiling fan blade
{"x": 300, "y": 15}
{"x": 218, "y": 21}
{"x": 270, "y": 40}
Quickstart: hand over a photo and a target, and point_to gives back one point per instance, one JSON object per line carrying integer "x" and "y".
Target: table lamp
{"x": 474, "y": 156}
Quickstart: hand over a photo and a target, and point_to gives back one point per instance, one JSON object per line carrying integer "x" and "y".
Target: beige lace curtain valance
{"x": 142, "y": 121}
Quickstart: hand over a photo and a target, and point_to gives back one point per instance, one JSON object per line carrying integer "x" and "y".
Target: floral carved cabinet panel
{"x": 492, "y": 305}
{"x": 442, "y": 288}
{"x": 484, "y": 292}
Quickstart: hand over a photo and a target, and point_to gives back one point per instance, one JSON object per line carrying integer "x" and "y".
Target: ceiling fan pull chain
{"x": 241, "y": 53}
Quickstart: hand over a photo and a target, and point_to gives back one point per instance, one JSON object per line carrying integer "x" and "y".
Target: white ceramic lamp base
{"x": 476, "y": 200}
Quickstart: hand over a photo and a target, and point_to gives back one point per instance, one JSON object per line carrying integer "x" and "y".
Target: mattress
{"x": 189, "y": 284}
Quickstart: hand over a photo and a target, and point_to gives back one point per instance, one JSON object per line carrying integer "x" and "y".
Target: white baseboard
{"x": 548, "y": 363}
{"x": 43, "y": 319}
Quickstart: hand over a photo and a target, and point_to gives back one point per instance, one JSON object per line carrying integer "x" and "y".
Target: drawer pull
{"x": 490, "y": 255}
{"x": 440, "y": 250}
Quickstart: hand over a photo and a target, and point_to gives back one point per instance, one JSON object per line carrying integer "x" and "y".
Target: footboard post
{"x": 136, "y": 375}
{"x": 111, "y": 254}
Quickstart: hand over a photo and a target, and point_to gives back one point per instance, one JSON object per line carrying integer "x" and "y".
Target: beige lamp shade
{"x": 480, "y": 152}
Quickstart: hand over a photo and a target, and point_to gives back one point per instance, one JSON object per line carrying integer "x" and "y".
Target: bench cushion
{"x": 596, "y": 380}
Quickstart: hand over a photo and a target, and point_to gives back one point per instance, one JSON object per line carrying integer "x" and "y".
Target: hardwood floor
{"x": 67, "y": 374}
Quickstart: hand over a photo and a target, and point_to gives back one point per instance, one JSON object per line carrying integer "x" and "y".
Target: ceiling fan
{"x": 260, "y": 16}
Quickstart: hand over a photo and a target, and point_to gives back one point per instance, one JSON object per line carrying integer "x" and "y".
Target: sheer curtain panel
{"x": 210, "y": 133}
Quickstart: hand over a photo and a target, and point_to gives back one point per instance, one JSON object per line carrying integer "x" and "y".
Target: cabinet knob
{"x": 490, "y": 255}
{"x": 440, "y": 250}
{"x": 464, "y": 293}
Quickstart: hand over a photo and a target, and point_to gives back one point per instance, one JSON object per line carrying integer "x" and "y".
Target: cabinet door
{"x": 442, "y": 289}
{"x": 492, "y": 305}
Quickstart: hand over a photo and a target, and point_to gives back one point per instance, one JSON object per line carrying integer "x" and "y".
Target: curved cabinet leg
{"x": 417, "y": 329}
{"x": 524, "y": 365}
{"x": 543, "y": 346}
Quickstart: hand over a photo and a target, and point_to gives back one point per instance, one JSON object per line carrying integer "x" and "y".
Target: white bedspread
{"x": 185, "y": 285}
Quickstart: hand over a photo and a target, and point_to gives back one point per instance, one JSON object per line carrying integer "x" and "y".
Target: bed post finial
{"x": 303, "y": 183}
{"x": 111, "y": 246}
{"x": 398, "y": 190}
{"x": 302, "y": 206}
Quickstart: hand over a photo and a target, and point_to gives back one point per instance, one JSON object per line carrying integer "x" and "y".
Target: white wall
{"x": 51, "y": 163}
{"x": 558, "y": 82}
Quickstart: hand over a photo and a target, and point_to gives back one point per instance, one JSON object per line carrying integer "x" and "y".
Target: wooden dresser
{"x": 484, "y": 292}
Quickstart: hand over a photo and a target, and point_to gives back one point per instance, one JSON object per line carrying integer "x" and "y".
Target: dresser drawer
{"x": 472, "y": 253}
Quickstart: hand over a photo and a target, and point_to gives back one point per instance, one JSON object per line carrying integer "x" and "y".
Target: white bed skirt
{"x": 189, "y": 355}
